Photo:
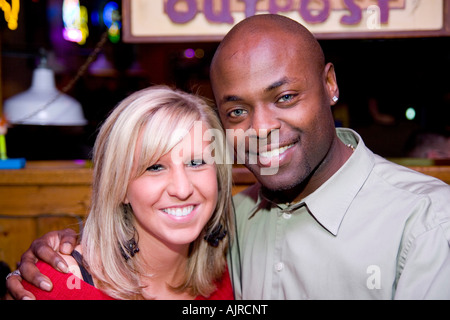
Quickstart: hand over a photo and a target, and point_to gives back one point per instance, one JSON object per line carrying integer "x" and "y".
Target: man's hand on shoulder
{"x": 47, "y": 249}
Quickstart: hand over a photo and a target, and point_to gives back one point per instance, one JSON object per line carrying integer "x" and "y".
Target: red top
{"x": 67, "y": 286}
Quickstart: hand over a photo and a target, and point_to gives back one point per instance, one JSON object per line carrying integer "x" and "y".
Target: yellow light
{"x": 199, "y": 53}
{"x": 11, "y": 12}
{"x": 75, "y": 18}
{"x": 83, "y": 24}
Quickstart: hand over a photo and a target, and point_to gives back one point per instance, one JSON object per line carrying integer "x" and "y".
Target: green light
{"x": 410, "y": 113}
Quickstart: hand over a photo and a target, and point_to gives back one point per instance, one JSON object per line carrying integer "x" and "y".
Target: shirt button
{"x": 279, "y": 266}
{"x": 287, "y": 215}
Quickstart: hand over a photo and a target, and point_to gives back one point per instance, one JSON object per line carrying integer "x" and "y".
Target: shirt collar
{"x": 331, "y": 201}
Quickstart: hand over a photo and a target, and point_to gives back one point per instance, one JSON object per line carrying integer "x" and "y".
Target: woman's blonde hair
{"x": 157, "y": 112}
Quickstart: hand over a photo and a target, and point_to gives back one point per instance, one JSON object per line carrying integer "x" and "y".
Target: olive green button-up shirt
{"x": 374, "y": 230}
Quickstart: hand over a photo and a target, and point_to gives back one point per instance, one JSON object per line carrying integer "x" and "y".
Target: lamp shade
{"x": 43, "y": 104}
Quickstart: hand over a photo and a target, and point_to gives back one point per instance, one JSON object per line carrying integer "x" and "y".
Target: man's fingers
{"x": 47, "y": 254}
{"x": 32, "y": 274}
{"x": 16, "y": 290}
{"x": 68, "y": 241}
{"x": 45, "y": 248}
{"x": 40, "y": 249}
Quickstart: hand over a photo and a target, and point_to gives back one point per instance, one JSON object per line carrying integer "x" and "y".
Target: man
{"x": 335, "y": 221}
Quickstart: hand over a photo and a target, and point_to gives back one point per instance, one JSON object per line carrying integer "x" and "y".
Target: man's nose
{"x": 264, "y": 122}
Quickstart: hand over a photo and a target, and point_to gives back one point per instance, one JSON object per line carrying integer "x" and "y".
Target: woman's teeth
{"x": 179, "y": 212}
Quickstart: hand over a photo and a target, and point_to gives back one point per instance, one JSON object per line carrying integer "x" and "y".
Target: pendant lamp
{"x": 43, "y": 104}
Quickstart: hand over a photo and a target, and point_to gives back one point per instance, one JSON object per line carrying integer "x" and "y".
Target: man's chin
{"x": 274, "y": 180}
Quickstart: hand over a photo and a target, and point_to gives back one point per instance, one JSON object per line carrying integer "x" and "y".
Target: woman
{"x": 158, "y": 193}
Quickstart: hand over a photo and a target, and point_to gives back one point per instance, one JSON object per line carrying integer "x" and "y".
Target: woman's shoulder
{"x": 66, "y": 286}
{"x": 73, "y": 265}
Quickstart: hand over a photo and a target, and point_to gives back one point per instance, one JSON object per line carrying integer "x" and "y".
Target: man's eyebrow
{"x": 277, "y": 84}
{"x": 231, "y": 98}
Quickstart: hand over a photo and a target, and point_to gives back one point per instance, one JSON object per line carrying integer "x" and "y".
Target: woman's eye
{"x": 155, "y": 167}
{"x": 196, "y": 162}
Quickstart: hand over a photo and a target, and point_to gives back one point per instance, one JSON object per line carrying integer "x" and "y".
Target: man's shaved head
{"x": 270, "y": 27}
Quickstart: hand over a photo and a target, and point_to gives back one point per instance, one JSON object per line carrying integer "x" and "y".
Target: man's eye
{"x": 286, "y": 97}
{"x": 237, "y": 113}
{"x": 196, "y": 162}
{"x": 155, "y": 167}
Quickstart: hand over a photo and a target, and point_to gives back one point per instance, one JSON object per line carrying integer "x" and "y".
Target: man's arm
{"x": 425, "y": 266}
{"x": 44, "y": 248}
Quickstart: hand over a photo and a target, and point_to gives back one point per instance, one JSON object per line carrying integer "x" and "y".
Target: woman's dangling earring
{"x": 216, "y": 235}
{"x": 125, "y": 208}
{"x": 130, "y": 246}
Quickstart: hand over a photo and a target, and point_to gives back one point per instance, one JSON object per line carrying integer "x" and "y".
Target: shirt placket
{"x": 279, "y": 265}
{"x": 277, "y": 262}
{"x": 284, "y": 214}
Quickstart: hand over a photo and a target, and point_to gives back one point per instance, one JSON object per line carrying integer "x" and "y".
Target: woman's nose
{"x": 180, "y": 184}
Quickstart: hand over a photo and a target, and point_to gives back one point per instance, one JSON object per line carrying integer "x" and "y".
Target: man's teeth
{"x": 179, "y": 212}
{"x": 275, "y": 152}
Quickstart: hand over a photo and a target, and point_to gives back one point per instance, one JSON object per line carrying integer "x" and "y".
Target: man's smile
{"x": 275, "y": 152}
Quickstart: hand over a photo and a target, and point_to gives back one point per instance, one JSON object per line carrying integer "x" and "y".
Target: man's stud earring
{"x": 335, "y": 99}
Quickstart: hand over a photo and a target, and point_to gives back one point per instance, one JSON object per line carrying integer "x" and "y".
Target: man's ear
{"x": 331, "y": 83}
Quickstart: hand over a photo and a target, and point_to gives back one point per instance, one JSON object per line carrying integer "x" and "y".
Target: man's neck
{"x": 338, "y": 154}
